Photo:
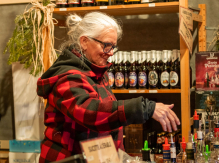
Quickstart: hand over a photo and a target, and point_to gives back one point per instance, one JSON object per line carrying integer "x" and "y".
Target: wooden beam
{"x": 4, "y": 2}
{"x": 201, "y": 28}
{"x": 185, "y": 84}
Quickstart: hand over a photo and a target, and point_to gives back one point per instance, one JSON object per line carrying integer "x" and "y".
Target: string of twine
{"x": 214, "y": 40}
{"x": 39, "y": 38}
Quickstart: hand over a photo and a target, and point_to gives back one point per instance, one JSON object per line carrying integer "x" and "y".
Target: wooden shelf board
{"x": 146, "y": 91}
{"x": 121, "y": 10}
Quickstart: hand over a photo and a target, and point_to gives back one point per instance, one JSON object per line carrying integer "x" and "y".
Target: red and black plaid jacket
{"x": 81, "y": 105}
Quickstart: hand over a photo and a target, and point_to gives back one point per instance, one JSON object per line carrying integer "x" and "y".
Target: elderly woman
{"x": 80, "y": 103}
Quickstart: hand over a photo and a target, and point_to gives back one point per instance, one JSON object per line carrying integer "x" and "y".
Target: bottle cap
{"x": 145, "y": 146}
{"x": 207, "y": 150}
{"x": 196, "y": 117}
{"x": 166, "y": 146}
{"x": 183, "y": 143}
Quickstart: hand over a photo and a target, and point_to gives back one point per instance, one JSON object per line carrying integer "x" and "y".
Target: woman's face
{"x": 94, "y": 50}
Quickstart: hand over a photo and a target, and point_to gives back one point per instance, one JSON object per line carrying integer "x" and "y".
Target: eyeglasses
{"x": 107, "y": 46}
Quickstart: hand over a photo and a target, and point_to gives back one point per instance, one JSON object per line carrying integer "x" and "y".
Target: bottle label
{"x": 87, "y": 1}
{"x": 73, "y": 2}
{"x": 174, "y": 79}
{"x": 104, "y": 1}
{"x": 126, "y": 79}
{"x": 166, "y": 155}
{"x": 61, "y": 2}
{"x": 173, "y": 152}
{"x": 119, "y": 79}
{"x": 216, "y": 146}
{"x": 153, "y": 78}
{"x": 190, "y": 154}
{"x": 164, "y": 78}
{"x": 163, "y": 139}
{"x": 111, "y": 79}
{"x": 152, "y": 157}
{"x": 132, "y": 79}
{"x": 142, "y": 79}
{"x": 159, "y": 140}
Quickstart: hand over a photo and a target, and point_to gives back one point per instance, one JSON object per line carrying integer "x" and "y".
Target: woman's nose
{"x": 110, "y": 52}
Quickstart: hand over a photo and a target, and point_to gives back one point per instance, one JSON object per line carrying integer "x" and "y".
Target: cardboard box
{"x": 207, "y": 71}
{"x": 28, "y": 108}
{"x": 23, "y": 157}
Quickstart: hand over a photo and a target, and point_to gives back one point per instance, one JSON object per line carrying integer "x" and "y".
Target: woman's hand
{"x": 166, "y": 116}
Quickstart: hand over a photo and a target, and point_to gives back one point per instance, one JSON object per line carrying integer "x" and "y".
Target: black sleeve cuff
{"x": 148, "y": 108}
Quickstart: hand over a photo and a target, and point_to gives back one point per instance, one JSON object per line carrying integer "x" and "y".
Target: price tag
{"x": 103, "y": 7}
{"x": 152, "y": 91}
{"x": 151, "y": 5}
{"x": 187, "y": 15}
{"x": 100, "y": 150}
{"x": 63, "y": 9}
{"x": 186, "y": 34}
{"x": 132, "y": 91}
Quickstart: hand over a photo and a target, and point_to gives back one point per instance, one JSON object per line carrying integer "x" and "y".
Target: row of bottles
{"x": 202, "y": 147}
{"x": 145, "y": 70}
{"x": 84, "y": 3}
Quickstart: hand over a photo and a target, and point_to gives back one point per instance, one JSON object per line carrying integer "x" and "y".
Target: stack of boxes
{"x": 29, "y": 117}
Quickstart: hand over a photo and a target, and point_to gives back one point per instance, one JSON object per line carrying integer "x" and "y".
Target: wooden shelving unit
{"x": 146, "y": 91}
{"x": 121, "y": 10}
{"x": 156, "y": 8}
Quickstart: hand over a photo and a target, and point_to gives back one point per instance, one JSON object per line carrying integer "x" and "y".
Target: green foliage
{"x": 46, "y": 2}
{"x": 21, "y": 45}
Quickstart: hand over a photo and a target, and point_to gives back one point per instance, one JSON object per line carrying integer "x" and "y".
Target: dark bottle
{"x": 102, "y": 2}
{"x": 146, "y": 152}
{"x": 153, "y": 144}
{"x": 85, "y": 3}
{"x": 133, "y": 78}
{"x": 153, "y": 77}
{"x": 73, "y": 3}
{"x": 169, "y": 54}
{"x": 207, "y": 80}
{"x": 117, "y": 2}
{"x": 159, "y": 64}
{"x": 158, "y": 156}
{"x": 61, "y": 3}
{"x": 165, "y": 73}
{"x": 175, "y": 73}
{"x": 119, "y": 72}
{"x": 142, "y": 72}
{"x": 134, "y": 1}
{"x": 125, "y": 2}
{"x": 111, "y": 74}
{"x": 125, "y": 67}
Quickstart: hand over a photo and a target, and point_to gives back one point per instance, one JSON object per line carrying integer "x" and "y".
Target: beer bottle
{"x": 117, "y": 2}
{"x": 142, "y": 74}
{"x": 148, "y": 59}
{"x": 85, "y": 3}
{"x": 165, "y": 73}
{"x": 73, "y": 3}
{"x": 111, "y": 74}
{"x": 61, "y": 3}
{"x": 169, "y": 53}
{"x": 133, "y": 78}
{"x": 158, "y": 150}
{"x": 153, "y": 77}
{"x": 102, "y": 2}
{"x": 115, "y": 59}
{"x": 119, "y": 72}
{"x": 159, "y": 64}
{"x": 175, "y": 73}
{"x": 125, "y": 66}
{"x": 134, "y": 1}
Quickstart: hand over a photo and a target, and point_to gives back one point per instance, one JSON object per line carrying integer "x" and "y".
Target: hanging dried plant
{"x": 215, "y": 41}
{"x": 33, "y": 38}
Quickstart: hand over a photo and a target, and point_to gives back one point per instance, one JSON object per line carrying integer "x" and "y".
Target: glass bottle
{"x": 111, "y": 74}
{"x": 61, "y": 3}
{"x": 152, "y": 145}
{"x": 134, "y": 1}
{"x": 146, "y": 153}
{"x": 166, "y": 152}
{"x": 182, "y": 157}
{"x": 158, "y": 156}
{"x": 85, "y": 3}
{"x": 142, "y": 72}
{"x": 169, "y": 55}
{"x": 165, "y": 73}
{"x": 125, "y": 66}
{"x": 209, "y": 137}
{"x": 174, "y": 73}
{"x": 102, "y": 2}
{"x": 117, "y": 2}
{"x": 119, "y": 72}
{"x": 133, "y": 78}
{"x": 153, "y": 77}
{"x": 172, "y": 150}
{"x": 73, "y": 3}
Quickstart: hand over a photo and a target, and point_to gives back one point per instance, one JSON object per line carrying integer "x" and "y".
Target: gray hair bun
{"x": 72, "y": 22}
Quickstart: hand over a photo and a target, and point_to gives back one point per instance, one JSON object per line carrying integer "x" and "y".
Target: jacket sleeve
{"x": 74, "y": 96}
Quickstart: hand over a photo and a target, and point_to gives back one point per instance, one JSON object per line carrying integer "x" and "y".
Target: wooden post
{"x": 201, "y": 28}
{"x": 185, "y": 83}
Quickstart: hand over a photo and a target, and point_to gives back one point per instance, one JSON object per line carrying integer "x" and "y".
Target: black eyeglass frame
{"x": 105, "y": 45}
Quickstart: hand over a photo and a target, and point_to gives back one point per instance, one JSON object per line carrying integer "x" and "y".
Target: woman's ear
{"x": 83, "y": 42}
